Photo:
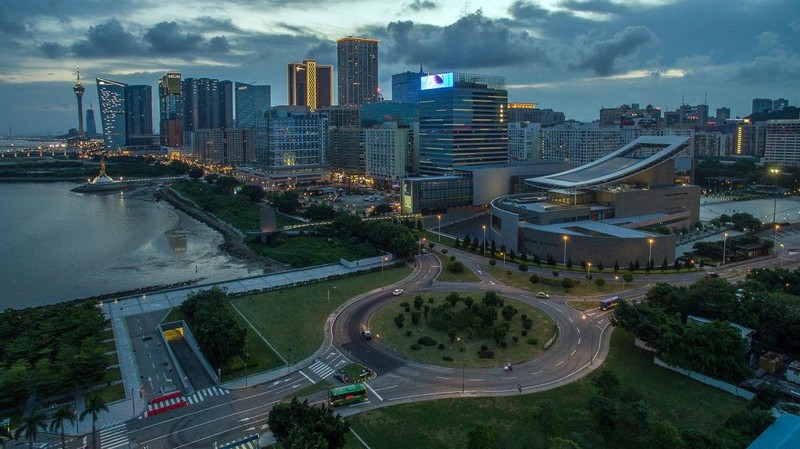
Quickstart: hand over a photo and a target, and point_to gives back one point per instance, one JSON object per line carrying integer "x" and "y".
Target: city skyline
{"x": 566, "y": 55}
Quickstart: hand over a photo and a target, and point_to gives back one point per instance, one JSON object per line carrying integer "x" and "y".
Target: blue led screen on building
{"x": 436, "y": 81}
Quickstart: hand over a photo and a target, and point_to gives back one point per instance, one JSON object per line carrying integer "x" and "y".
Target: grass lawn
{"x": 307, "y": 250}
{"x": 447, "y": 276}
{"x": 443, "y": 424}
{"x": 113, "y": 374}
{"x": 112, "y": 359}
{"x": 390, "y": 335}
{"x": 112, "y": 393}
{"x": 293, "y": 319}
{"x": 107, "y": 346}
{"x": 583, "y": 305}
{"x": 237, "y": 210}
{"x": 262, "y": 357}
{"x": 519, "y": 279}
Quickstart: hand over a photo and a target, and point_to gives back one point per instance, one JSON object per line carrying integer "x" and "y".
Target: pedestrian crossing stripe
{"x": 202, "y": 395}
{"x": 114, "y": 437}
{"x": 321, "y": 369}
{"x": 250, "y": 442}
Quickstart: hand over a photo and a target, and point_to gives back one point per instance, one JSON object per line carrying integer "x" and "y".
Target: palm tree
{"x": 93, "y": 404}
{"x": 65, "y": 413}
{"x": 5, "y": 435}
{"x": 30, "y": 426}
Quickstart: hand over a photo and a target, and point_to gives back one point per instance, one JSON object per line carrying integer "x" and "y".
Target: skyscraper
{"x": 462, "y": 121}
{"x": 200, "y": 104}
{"x": 171, "y": 108}
{"x": 310, "y": 84}
{"x": 79, "y": 89}
{"x": 113, "y": 112}
{"x": 358, "y": 70}
{"x": 252, "y": 102}
{"x": 226, "y": 104}
{"x": 405, "y": 86}
{"x": 761, "y": 105}
{"x": 139, "y": 110}
{"x": 91, "y": 125}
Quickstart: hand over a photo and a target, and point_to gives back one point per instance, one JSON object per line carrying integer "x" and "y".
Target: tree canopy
{"x": 298, "y": 425}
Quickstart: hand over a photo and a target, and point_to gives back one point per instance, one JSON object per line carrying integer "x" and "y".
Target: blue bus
{"x": 610, "y": 303}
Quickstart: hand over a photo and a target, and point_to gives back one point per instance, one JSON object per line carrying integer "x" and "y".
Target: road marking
{"x": 477, "y": 380}
{"x": 374, "y": 392}
{"x": 387, "y": 388}
{"x": 559, "y": 363}
{"x": 309, "y": 379}
{"x": 573, "y": 352}
{"x": 578, "y": 329}
{"x": 579, "y": 341}
{"x": 570, "y": 319}
{"x": 512, "y": 377}
{"x": 440, "y": 377}
{"x": 538, "y": 372}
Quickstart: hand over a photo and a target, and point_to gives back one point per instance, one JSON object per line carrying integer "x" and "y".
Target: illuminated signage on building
{"x": 436, "y": 81}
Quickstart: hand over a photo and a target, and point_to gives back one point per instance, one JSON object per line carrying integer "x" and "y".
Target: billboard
{"x": 436, "y": 81}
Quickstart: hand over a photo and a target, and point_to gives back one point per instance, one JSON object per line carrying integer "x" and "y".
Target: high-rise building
{"x": 224, "y": 145}
{"x": 750, "y": 138}
{"x": 405, "y": 86}
{"x": 91, "y": 124}
{"x": 579, "y": 143}
{"x": 79, "y": 89}
{"x": 523, "y": 141}
{"x": 295, "y": 139}
{"x": 139, "y": 110}
{"x": 171, "y": 108}
{"x": 783, "y": 142}
{"x": 723, "y": 114}
{"x": 346, "y": 149}
{"x": 761, "y": 105}
{"x": 358, "y": 70}
{"x": 462, "y": 122}
{"x": 113, "y": 112}
{"x": 780, "y": 104}
{"x": 226, "y": 104}
{"x": 200, "y": 104}
{"x": 310, "y": 84}
{"x": 252, "y": 103}
{"x": 376, "y": 114}
{"x": 386, "y": 151}
{"x": 627, "y": 115}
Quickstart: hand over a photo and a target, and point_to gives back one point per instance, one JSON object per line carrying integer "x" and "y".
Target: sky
{"x": 575, "y": 56}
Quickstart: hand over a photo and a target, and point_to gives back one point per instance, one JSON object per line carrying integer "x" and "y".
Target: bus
{"x": 348, "y": 394}
{"x": 610, "y": 303}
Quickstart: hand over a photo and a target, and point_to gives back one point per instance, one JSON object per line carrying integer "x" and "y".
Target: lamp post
{"x": 780, "y": 256}
{"x": 383, "y": 260}
{"x": 588, "y": 269}
{"x": 484, "y": 240}
{"x": 591, "y": 340}
{"x": 650, "y": 255}
{"x": 776, "y": 172}
{"x": 503, "y": 253}
{"x": 329, "y": 295}
{"x": 246, "y": 356}
{"x": 440, "y": 227}
{"x": 421, "y": 242}
{"x": 565, "y": 238}
{"x": 775, "y": 237}
{"x": 724, "y": 246}
{"x": 463, "y": 362}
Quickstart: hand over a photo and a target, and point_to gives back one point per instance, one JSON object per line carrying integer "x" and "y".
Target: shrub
{"x": 444, "y": 250}
{"x": 452, "y": 258}
{"x": 523, "y": 267}
{"x": 600, "y": 282}
{"x": 456, "y": 267}
{"x": 515, "y": 338}
{"x": 447, "y": 358}
{"x": 430, "y": 300}
{"x": 487, "y": 354}
{"x": 492, "y": 262}
{"x": 555, "y": 274}
{"x": 426, "y": 341}
{"x": 484, "y": 347}
{"x": 527, "y": 324}
{"x": 567, "y": 283}
{"x": 502, "y": 344}
{"x": 533, "y": 341}
{"x": 509, "y": 273}
{"x": 415, "y": 347}
{"x": 441, "y": 346}
{"x": 628, "y": 277}
{"x": 524, "y": 332}
{"x": 404, "y": 304}
{"x": 534, "y": 279}
{"x": 398, "y": 321}
{"x": 407, "y": 309}
{"x": 408, "y": 333}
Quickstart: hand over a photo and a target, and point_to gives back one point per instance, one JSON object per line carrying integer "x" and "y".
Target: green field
{"x": 293, "y": 319}
{"x": 389, "y": 335}
{"x": 443, "y": 424}
{"x": 447, "y": 276}
{"x": 307, "y": 250}
{"x": 520, "y": 279}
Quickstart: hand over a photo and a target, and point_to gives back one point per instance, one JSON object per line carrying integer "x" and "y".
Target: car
{"x": 366, "y": 334}
{"x": 397, "y": 292}
{"x": 542, "y": 295}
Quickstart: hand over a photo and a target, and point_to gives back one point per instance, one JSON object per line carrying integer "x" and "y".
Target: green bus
{"x": 347, "y": 394}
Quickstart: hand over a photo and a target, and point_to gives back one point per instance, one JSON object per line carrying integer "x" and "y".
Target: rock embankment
{"x": 234, "y": 238}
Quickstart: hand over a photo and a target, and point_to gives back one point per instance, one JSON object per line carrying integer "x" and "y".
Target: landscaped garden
{"x": 492, "y": 330}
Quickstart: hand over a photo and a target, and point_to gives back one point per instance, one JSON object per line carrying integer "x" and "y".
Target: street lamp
{"x": 484, "y": 240}
{"x": 463, "y": 362}
{"x": 591, "y": 340}
{"x": 776, "y": 172}
{"x": 780, "y": 256}
{"x": 502, "y": 253}
{"x": 775, "y": 237}
{"x": 650, "y": 255}
{"x": 421, "y": 242}
{"x": 440, "y": 227}
{"x": 588, "y": 269}
{"x": 565, "y": 238}
{"x": 329, "y": 295}
{"x": 383, "y": 260}
{"x": 724, "y": 242}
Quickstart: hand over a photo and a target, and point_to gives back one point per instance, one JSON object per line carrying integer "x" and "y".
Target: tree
{"x": 523, "y": 267}
{"x": 616, "y": 266}
{"x": 302, "y": 425}
{"x": 93, "y": 404}
{"x": 481, "y": 436}
{"x": 30, "y": 425}
{"x": 418, "y": 302}
{"x": 534, "y": 279}
{"x": 5, "y": 435}
{"x": 628, "y": 277}
{"x": 226, "y": 184}
{"x": 600, "y": 282}
{"x": 254, "y": 192}
{"x": 62, "y": 414}
{"x": 382, "y": 209}
{"x": 664, "y": 264}
{"x": 545, "y": 413}
{"x": 196, "y": 173}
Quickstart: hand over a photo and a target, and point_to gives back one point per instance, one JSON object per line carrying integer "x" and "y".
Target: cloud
{"x": 421, "y": 5}
{"x": 473, "y": 41}
{"x": 107, "y": 39}
{"x": 218, "y": 44}
{"x": 166, "y": 38}
{"x": 324, "y": 52}
{"x": 775, "y": 68}
{"x": 601, "y": 56}
{"x": 53, "y": 50}
{"x": 523, "y": 10}
{"x": 594, "y": 6}
{"x": 768, "y": 39}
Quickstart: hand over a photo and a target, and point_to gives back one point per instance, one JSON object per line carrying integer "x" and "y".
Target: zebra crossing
{"x": 202, "y": 395}
{"x": 114, "y": 437}
{"x": 250, "y": 442}
{"x": 321, "y": 369}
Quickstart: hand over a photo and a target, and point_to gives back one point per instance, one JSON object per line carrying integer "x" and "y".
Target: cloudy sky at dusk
{"x": 570, "y": 55}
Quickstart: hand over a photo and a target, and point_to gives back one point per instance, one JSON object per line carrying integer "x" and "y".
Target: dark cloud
{"x": 421, "y": 5}
{"x": 600, "y": 56}
{"x": 473, "y": 41}
{"x": 324, "y": 52}
{"x": 524, "y": 10}
{"x": 776, "y": 68}
{"x": 207, "y": 23}
{"x": 53, "y": 50}
{"x": 218, "y": 44}
{"x": 107, "y": 39}
{"x": 10, "y": 23}
{"x": 595, "y": 6}
{"x": 166, "y": 38}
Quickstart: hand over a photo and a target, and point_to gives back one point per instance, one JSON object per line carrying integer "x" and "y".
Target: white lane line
{"x": 573, "y": 352}
{"x": 559, "y": 363}
{"x": 570, "y": 319}
{"x": 374, "y": 392}
{"x": 537, "y": 372}
{"x": 577, "y": 329}
{"x": 477, "y": 380}
{"x": 309, "y": 379}
{"x": 579, "y": 341}
{"x": 387, "y": 388}
{"x": 440, "y": 377}
{"x": 512, "y": 377}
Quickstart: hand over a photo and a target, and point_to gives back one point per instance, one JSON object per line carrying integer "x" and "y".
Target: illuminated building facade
{"x": 112, "y": 112}
{"x": 79, "y": 89}
{"x": 387, "y": 151}
{"x": 783, "y": 142}
{"x": 226, "y": 104}
{"x": 252, "y": 102}
{"x": 295, "y": 138}
{"x": 310, "y": 84}
{"x": 358, "y": 70}
{"x": 462, "y": 122}
{"x": 171, "y": 108}
{"x": 139, "y": 107}
{"x": 406, "y": 86}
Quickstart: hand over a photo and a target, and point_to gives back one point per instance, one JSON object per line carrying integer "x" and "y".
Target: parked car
{"x": 542, "y": 295}
{"x": 397, "y": 291}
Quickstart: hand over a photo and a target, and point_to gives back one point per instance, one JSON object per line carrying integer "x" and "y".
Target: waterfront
{"x": 787, "y": 209}
{"x": 58, "y": 245}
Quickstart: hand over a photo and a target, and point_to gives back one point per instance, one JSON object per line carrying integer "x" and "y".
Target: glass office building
{"x": 112, "y": 112}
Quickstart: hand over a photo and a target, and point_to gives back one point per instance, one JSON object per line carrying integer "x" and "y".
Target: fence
{"x": 724, "y": 386}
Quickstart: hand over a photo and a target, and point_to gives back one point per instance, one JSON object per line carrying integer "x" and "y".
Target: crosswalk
{"x": 114, "y": 437}
{"x": 321, "y": 369}
{"x": 202, "y": 395}
{"x": 250, "y": 442}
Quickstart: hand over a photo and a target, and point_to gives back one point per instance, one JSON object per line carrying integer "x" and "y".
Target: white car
{"x": 397, "y": 292}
